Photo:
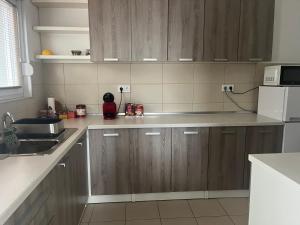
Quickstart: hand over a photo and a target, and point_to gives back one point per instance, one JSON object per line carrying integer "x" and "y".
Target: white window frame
{"x": 24, "y": 91}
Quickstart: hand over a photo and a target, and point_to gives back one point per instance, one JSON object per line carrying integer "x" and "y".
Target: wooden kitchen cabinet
{"x": 226, "y": 158}
{"x": 110, "y": 30}
{"x": 151, "y": 168}
{"x": 61, "y": 197}
{"x": 259, "y": 140}
{"x": 149, "y": 20}
{"x": 221, "y": 34}
{"x": 189, "y": 159}
{"x": 110, "y": 161}
{"x": 185, "y": 31}
{"x": 256, "y": 30}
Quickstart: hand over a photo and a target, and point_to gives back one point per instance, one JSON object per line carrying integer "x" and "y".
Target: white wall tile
{"x": 82, "y": 94}
{"x": 178, "y": 93}
{"x": 178, "y": 73}
{"x": 151, "y": 93}
{"x": 209, "y": 73}
{"x": 146, "y": 73}
{"x": 177, "y": 107}
{"x": 57, "y": 92}
{"x": 80, "y": 73}
{"x": 239, "y": 73}
{"x": 206, "y": 93}
{"x": 53, "y": 73}
{"x": 114, "y": 73}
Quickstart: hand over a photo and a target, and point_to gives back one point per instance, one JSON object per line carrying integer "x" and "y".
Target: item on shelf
{"x": 139, "y": 110}
{"x": 63, "y": 115}
{"x": 71, "y": 114}
{"x": 76, "y": 52}
{"x": 51, "y": 105}
{"x": 88, "y": 52}
{"x": 109, "y": 106}
{"x": 129, "y": 109}
{"x": 81, "y": 110}
{"x": 47, "y": 52}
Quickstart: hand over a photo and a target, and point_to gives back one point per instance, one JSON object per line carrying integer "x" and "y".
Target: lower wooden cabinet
{"x": 189, "y": 159}
{"x": 110, "y": 161}
{"x": 226, "y": 158}
{"x": 151, "y": 166}
{"x": 259, "y": 140}
{"x": 61, "y": 197}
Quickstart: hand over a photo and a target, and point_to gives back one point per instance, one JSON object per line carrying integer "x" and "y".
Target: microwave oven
{"x": 282, "y": 75}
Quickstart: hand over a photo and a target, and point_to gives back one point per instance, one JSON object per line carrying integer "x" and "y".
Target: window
{"x": 11, "y": 80}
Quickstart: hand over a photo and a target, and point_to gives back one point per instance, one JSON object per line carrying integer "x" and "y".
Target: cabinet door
{"x": 261, "y": 140}
{"x": 189, "y": 159}
{"x": 186, "y": 24}
{"x": 221, "y": 35}
{"x": 256, "y": 30}
{"x": 109, "y": 158}
{"x": 151, "y": 171}
{"x": 226, "y": 158}
{"x": 149, "y": 30}
{"x": 110, "y": 30}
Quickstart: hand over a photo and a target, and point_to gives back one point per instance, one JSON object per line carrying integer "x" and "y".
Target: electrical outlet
{"x": 227, "y": 87}
{"x": 126, "y": 88}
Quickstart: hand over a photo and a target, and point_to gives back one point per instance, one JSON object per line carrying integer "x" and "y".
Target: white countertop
{"x": 20, "y": 175}
{"x": 191, "y": 120}
{"x": 284, "y": 164}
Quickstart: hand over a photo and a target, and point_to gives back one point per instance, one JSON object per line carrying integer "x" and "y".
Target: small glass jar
{"x": 81, "y": 110}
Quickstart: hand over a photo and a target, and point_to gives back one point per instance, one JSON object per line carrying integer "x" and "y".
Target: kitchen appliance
{"x": 281, "y": 75}
{"x": 42, "y": 127}
{"x": 109, "y": 106}
{"x": 283, "y": 103}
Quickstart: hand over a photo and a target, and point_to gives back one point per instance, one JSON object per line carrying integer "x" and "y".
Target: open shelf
{"x": 60, "y": 3}
{"x": 62, "y": 30}
{"x": 64, "y": 58}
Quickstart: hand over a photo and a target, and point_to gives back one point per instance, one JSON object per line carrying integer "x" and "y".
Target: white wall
{"x": 286, "y": 44}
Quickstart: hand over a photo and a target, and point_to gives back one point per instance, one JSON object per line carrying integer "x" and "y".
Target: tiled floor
{"x": 229, "y": 211}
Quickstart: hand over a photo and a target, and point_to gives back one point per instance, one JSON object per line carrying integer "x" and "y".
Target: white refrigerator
{"x": 283, "y": 103}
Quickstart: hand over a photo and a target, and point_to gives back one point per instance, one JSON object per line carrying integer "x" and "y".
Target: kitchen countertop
{"x": 285, "y": 164}
{"x": 20, "y": 175}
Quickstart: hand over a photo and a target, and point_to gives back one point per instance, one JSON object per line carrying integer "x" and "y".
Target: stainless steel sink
{"x": 43, "y": 146}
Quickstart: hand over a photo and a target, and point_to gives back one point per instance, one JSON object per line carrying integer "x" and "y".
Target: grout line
{"x": 160, "y": 219}
{"x": 227, "y": 213}
{"x": 188, "y": 202}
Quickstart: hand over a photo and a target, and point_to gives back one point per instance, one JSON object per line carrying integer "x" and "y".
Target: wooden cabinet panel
{"x": 189, "y": 159}
{"x": 110, "y": 161}
{"x": 151, "y": 169}
{"x": 221, "y": 35}
{"x": 149, "y": 29}
{"x": 186, "y": 24}
{"x": 110, "y": 30}
{"x": 226, "y": 158}
{"x": 267, "y": 139}
{"x": 256, "y": 30}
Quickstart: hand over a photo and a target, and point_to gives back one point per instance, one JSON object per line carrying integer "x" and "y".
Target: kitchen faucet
{"x": 6, "y": 116}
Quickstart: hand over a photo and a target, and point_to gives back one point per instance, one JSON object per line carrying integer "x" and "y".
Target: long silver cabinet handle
{"x": 62, "y": 165}
{"x": 152, "y": 134}
{"x": 185, "y": 60}
{"x": 190, "y": 132}
{"x": 111, "y": 59}
{"x": 150, "y": 59}
{"x": 111, "y": 135}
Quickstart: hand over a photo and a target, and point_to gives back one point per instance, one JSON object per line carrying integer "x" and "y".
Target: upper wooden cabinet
{"x": 256, "y": 30}
{"x": 189, "y": 159}
{"x": 110, "y": 30}
{"x": 221, "y": 34}
{"x": 149, "y": 30}
{"x": 185, "y": 36}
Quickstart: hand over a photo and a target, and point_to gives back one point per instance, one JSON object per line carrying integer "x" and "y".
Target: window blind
{"x": 10, "y": 67}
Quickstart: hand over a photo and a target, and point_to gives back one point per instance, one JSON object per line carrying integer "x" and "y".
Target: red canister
{"x": 129, "y": 109}
{"x": 139, "y": 110}
{"x": 81, "y": 110}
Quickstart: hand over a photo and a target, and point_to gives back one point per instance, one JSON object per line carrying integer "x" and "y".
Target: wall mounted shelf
{"x": 60, "y": 3}
{"x": 64, "y": 58}
{"x": 62, "y": 30}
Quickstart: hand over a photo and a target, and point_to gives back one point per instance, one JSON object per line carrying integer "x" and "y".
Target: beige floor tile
{"x": 87, "y": 213}
{"x": 221, "y": 220}
{"x": 143, "y": 222}
{"x": 179, "y": 221}
{"x": 142, "y": 211}
{"x": 174, "y": 209}
{"x": 108, "y": 223}
{"x": 240, "y": 220}
{"x": 108, "y": 212}
{"x": 206, "y": 207}
{"x": 235, "y": 206}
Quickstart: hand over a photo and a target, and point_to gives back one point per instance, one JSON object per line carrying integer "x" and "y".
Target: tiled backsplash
{"x": 160, "y": 87}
